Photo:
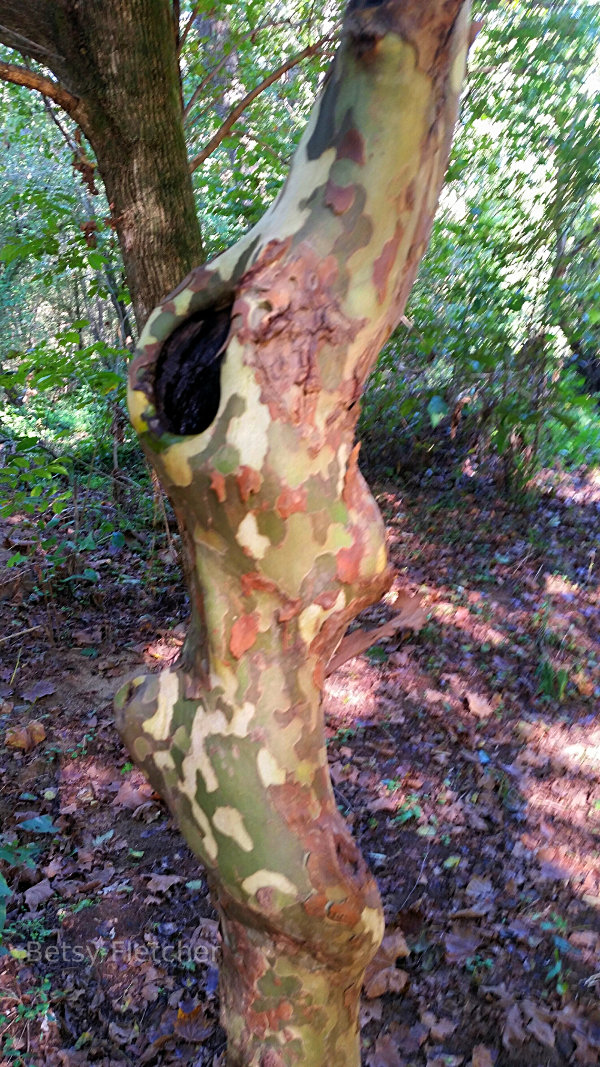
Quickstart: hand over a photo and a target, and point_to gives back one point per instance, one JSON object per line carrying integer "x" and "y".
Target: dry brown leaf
{"x": 37, "y": 731}
{"x": 18, "y": 737}
{"x": 193, "y": 1026}
{"x": 161, "y": 883}
{"x": 133, "y": 796}
{"x": 38, "y": 894}
{"x": 382, "y": 975}
{"x": 481, "y": 1057}
{"x": 386, "y": 1053}
{"x": 585, "y": 1053}
{"x": 537, "y": 1023}
{"x": 513, "y": 1032}
{"x": 478, "y": 705}
{"x": 442, "y": 1029}
{"x": 43, "y": 688}
{"x": 461, "y": 942}
{"x": 410, "y": 616}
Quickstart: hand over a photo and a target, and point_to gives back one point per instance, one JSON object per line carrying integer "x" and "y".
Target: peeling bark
{"x": 244, "y": 393}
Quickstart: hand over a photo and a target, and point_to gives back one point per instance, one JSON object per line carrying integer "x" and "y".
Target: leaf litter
{"x": 465, "y": 762}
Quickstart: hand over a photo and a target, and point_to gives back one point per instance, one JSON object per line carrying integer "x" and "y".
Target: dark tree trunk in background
{"x": 118, "y": 59}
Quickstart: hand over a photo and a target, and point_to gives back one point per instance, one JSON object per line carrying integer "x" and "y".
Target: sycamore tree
{"x": 245, "y": 393}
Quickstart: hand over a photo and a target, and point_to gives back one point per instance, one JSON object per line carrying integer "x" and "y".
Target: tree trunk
{"x": 245, "y": 395}
{"x": 118, "y": 62}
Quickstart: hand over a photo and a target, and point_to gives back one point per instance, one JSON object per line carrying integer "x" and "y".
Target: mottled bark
{"x": 245, "y": 394}
{"x": 116, "y": 65}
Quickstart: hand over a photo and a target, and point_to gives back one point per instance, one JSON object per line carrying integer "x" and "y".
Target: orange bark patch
{"x": 349, "y": 561}
{"x": 345, "y": 912}
{"x": 316, "y": 904}
{"x": 248, "y": 481}
{"x": 384, "y": 263}
{"x": 339, "y": 198}
{"x": 217, "y": 482}
{"x": 243, "y": 634}
{"x": 253, "y": 582}
{"x": 290, "y": 501}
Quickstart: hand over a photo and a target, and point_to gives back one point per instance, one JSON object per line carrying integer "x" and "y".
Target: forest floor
{"x": 466, "y": 758}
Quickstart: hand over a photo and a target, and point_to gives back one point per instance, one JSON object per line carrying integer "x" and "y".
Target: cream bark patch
{"x": 265, "y": 879}
{"x": 230, "y": 821}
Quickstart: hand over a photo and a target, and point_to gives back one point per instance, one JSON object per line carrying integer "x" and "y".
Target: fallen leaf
{"x": 37, "y": 731}
{"x": 461, "y": 942}
{"x": 18, "y": 737}
{"x": 481, "y": 1057}
{"x": 39, "y": 824}
{"x": 38, "y": 894}
{"x": 513, "y": 1032}
{"x": 132, "y": 796}
{"x": 161, "y": 883}
{"x": 478, "y": 705}
{"x": 382, "y": 975}
{"x": 25, "y": 737}
{"x": 43, "y": 688}
{"x": 193, "y": 1026}
{"x": 386, "y": 1053}
{"x": 537, "y": 1023}
{"x": 442, "y": 1029}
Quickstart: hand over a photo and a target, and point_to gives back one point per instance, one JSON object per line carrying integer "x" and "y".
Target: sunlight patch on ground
{"x": 447, "y": 612}
{"x": 351, "y": 693}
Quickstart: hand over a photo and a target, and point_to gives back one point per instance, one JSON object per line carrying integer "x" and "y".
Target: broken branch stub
{"x": 244, "y": 393}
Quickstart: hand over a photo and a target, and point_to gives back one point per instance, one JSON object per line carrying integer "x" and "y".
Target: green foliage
{"x": 552, "y": 681}
{"x": 501, "y": 345}
{"x": 498, "y": 360}
{"x": 12, "y": 854}
{"x": 230, "y": 49}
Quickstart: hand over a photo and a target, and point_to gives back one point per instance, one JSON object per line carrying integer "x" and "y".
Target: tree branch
{"x": 9, "y": 72}
{"x": 245, "y": 102}
{"x": 186, "y": 29}
{"x": 249, "y": 36}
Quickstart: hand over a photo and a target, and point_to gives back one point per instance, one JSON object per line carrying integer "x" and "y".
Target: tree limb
{"x": 46, "y": 86}
{"x": 249, "y": 36}
{"x": 186, "y": 29}
{"x": 245, "y": 102}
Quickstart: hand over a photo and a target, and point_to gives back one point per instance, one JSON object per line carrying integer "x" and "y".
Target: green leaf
{"x": 11, "y": 252}
{"x": 437, "y": 409}
{"x": 40, "y": 824}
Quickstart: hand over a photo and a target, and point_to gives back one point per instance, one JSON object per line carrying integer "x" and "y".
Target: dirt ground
{"x": 466, "y": 758}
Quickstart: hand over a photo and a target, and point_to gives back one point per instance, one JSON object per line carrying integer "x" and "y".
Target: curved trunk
{"x": 245, "y": 395}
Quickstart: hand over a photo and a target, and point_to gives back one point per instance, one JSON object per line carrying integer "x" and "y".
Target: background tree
{"x": 503, "y": 317}
{"x": 245, "y": 394}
